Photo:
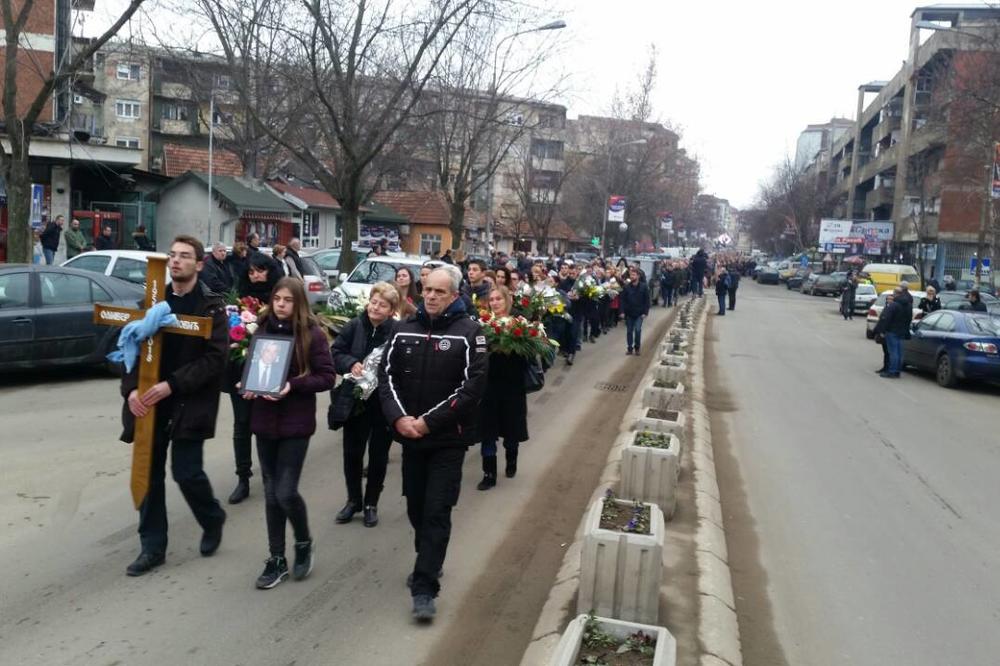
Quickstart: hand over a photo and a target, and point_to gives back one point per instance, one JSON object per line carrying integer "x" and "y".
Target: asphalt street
{"x": 861, "y": 512}
{"x": 68, "y": 531}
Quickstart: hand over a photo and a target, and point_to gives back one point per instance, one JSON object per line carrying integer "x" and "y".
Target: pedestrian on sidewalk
{"x": 635, "y": 304}
{"x": 76, "y": 242}
{"x": 187, "y": 403}
{"x": 50, "y": 239}
{"x": 667, "y": 284}
{"x": 504, "y": 411}
{"x": 432, "y": 378}
{"x": 722, "y": 289}
{"x": 895, "y": 326}
{"x": 283, "y": 425}
{"x": 364, "y": 425}
{"x": 734, "y": 283}
{"x": 847, "y": 298}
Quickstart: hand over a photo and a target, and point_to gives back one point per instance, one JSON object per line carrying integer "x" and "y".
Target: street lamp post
{"x": 607, "y": 192}
{"x": 554, "y": 25}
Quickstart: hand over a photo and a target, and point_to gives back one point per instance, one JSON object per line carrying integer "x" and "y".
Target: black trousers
{"x": 281, "y": 463}
{"x": 432, "y": 479}
{"x": 188, "y": 471}
{"x": 241, "y": 435}
{"x": 364, "y": 432}
{"x": 732, "y": 299}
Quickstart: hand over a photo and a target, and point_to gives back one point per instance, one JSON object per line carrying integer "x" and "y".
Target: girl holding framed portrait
{"x": 284, "y": 419}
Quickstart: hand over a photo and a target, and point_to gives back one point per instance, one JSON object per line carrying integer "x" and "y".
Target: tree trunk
{"x": 20, "y": 243}
{"x": 456, "y": 223}
{"x": 349, "y": 234}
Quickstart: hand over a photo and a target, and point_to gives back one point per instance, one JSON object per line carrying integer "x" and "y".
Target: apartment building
{"x": 901, "y": 162}
{"x": 815, "y": 139}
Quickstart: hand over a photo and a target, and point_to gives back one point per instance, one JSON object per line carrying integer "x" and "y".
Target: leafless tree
{"x": 351, "y": 75}
{"x": 22, "y": 110}
{"x": 539, "y": 194}
{"x": 793, "y": 202}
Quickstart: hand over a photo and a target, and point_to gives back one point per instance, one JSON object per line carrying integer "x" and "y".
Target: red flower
{"x": 237, "y": 333}
{"x": 533, "y": 332}
{"x": 496, "y": 329}
{"x": 518, "y": 332}
{"x": 525, "y": 302}
{"x": 486, "y": 316}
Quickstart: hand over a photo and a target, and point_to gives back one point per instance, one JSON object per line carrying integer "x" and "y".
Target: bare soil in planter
{"x": 610, "y": 656}
{"x": 664, "y": 385}
{"x": 662, "y": 414}
{"x": 627, "y": 517}
{"x": 671, "y": 364}
{"x": 597, "y": 647}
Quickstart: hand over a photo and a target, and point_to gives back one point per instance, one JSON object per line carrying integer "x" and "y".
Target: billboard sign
{"x": 616, "y": 208}
{"x": 666, "y": 221}
{"x": 831, "y": 230}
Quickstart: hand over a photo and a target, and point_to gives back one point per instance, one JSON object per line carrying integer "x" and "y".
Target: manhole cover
{"x": 610, "y": 388}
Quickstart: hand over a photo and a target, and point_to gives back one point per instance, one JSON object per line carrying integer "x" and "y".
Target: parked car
{"x": 864, "y": 296}
{"x": 768, "y": 275}
{"x": 875, "y": 309}
{"x": 826, "y": 285}
{"x": 807, "y": 284}
{"x": 374, "y": 269}
{"x": 958, "y": 300}
{"x": 47, "y": 316}
{"x": 124, "y": 264}
{"x": 329, "y": 259}
{"x": 795, "y": 280}
{"x": 955, "y": 345}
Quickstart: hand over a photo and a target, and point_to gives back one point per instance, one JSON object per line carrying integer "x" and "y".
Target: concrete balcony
{"x": 886, "y": 128}
{"x": 882, "y": 196}
{"x": 174, "y": 90}
{"x": 176, "y": 127}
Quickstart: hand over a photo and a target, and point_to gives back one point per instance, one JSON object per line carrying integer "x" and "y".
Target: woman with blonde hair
{"x": 364, "y": 428}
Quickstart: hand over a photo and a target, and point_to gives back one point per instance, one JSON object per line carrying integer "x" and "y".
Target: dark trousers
{"x": 732, "y": 299}
{"x": 281, "y": 463}
{"x": 241, "y": 435}
{"x": 885, "y": 356}
{"x": 188, "y": 471}
{"x": 895, "y": 344}
{"x": 362, "y": 432}
{"x": 633, "y": 332}
{"x": 697, "y": 287}
{"x": 668, "y": 294}
{"x": 575, "y": 329}
{"x": 489, "y": 447}
{"x": 722, "y": 303}
{"x": 432, "y": 479}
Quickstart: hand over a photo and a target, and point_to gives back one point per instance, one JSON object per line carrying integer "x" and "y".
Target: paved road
{"x": 67, "y": 531}
{"x": 861, "y": 512}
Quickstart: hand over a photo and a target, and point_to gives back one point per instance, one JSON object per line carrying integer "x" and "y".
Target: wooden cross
{"x": 149, "y": 364}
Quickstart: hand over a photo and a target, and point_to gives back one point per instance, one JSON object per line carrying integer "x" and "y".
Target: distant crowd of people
{"x": 47, "y": 240}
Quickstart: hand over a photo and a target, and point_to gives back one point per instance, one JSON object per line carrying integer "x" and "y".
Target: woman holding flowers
{"x": 283, "y": 425}
{"x": 254, "y": 291}
{"x": 364, "y": 425}
{"x": 505, "y": 404}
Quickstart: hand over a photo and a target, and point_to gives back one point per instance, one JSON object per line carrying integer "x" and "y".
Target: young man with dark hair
{"x": 187, "y": 403}
{"x": 50, "y": 238}
{"x": 477, "y": 274}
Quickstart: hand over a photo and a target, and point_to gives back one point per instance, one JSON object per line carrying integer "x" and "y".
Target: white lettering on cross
{"x": 115, "y": 316}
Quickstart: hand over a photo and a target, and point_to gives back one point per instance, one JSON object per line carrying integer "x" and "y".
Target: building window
{"x": 430, "y": 244}
{"x": 129, "y": 72}
{"x": 223, "y": 82}
{"x": 127, "y": 142}
{"x": 545, "y": 180}
{"x": 552, "y": 150}
{"x": 125, "y": 108}
{"x": 174, "y": 112}
{"x": 551, "y": 121}
{"x": 310, "y": 229}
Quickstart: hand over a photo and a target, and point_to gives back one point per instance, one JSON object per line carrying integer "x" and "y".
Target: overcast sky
{"x": 739, "y": 79}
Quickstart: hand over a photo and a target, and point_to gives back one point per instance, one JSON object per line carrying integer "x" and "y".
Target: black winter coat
{"x": 295, "y": 414}
{"x": 196, "y": 371}
{"x": 352, "y": 345}
{"x": 436, "y": 369}
{"x": 216, "y": 276}
{"x": 505, "y": 404}
{"x": 698, "y": 265}
{"x": 635, "y": 299}
{"x": 50, "y": 237}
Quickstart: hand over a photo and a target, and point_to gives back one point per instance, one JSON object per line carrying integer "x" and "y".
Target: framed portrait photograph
{"x": 266, "y": 373}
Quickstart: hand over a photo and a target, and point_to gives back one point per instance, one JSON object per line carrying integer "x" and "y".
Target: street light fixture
{"x": 607, "y": 193}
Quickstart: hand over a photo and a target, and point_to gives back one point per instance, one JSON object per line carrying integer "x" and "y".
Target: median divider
{"x": 619, "y": 572}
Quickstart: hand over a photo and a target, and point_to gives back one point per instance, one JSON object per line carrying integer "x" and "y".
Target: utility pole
{"x": 211, "y": 134}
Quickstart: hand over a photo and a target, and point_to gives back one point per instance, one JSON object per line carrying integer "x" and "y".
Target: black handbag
{"x": 534, "y": 376}
{"x": 341, "y": 405}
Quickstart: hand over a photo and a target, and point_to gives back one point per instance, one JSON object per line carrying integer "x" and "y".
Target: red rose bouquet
{"x": 516, "y": 335}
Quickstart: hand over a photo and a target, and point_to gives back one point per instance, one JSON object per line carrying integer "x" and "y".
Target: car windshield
{"x": 865, "y": 290}
{"x": 328, "y": 260}
{"x": 311, "y": 267}
{"x": 370, "y": 272}
{"x": 980, "y": 325}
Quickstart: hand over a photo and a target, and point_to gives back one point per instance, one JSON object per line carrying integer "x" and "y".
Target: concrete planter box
{"x": 662, "y": 398}
{"x": 678, "y": 334}
{"x": 672, "y": 372}
{"x": 568, "y": 650}
{"x": 650, "y": 474}
{"x": 674, "y": 426}
{"x": 620, "y": 572}
{"x": 670, "y": 347}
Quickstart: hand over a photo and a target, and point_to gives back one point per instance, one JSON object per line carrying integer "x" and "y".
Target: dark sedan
{"x": 768, "y": 275}
{"x": 955, "y": 345}
{"x": 46, "y": 315}
{"x": 827, "y": 285}
{"x": 959, "y": 300}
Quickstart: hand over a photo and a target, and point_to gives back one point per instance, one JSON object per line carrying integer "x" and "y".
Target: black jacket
{"x": 194, "y": 369}
{"x": 355, "y": 342}
{"x": 635, "y": 299}
{"x": 505, "y": 405}
{"x": 103, "y": 242}
{"x": 895, "y": 318}
{"x": 698, "y": 265}
{"x": 927, "y": 305}
{"x": 436, "y": 370}
{"x": 216, "y": 275}
{"x": 50, "y": 237}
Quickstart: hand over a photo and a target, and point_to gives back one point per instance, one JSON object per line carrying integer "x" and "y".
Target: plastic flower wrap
{"x": 368, "y": 381}
{"x": 586, "y": 286}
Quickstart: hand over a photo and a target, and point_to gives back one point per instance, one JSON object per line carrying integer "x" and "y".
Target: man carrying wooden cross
{"x": 186, "y": 402}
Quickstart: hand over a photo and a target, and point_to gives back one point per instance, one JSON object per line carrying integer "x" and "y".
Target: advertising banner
{"x": 37, "y": 206}
{"x": 666, "y": 221}
{"x": 616, "y": 208}
{"x": 831, "y": 230}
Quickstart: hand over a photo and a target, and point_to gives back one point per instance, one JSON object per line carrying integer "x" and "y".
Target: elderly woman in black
{"x": 364, "y": 428}
{"x": 505, "y": 404}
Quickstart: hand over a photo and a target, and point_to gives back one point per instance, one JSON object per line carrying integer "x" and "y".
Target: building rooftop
{"x": 240, "y": 193}
{"x": 424, "y": 207}
{"x": 179, "y": 159}
{"x": 310, "y": 196}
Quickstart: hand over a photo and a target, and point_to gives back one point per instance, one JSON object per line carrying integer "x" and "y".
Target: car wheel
{"x": 945, "y": 372}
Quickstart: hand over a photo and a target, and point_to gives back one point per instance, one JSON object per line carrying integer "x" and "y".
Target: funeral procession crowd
{"x": 438, "y": 362}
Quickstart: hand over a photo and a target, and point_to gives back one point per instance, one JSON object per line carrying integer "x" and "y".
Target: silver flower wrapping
{"x": 368, "y": 381}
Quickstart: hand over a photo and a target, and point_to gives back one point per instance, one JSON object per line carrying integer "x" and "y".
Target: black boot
{"x": 511, "y": 469}
{"x": 347, "y": 513}
{"x": 242, "y": 490}
{"x": 489, "y": 473}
